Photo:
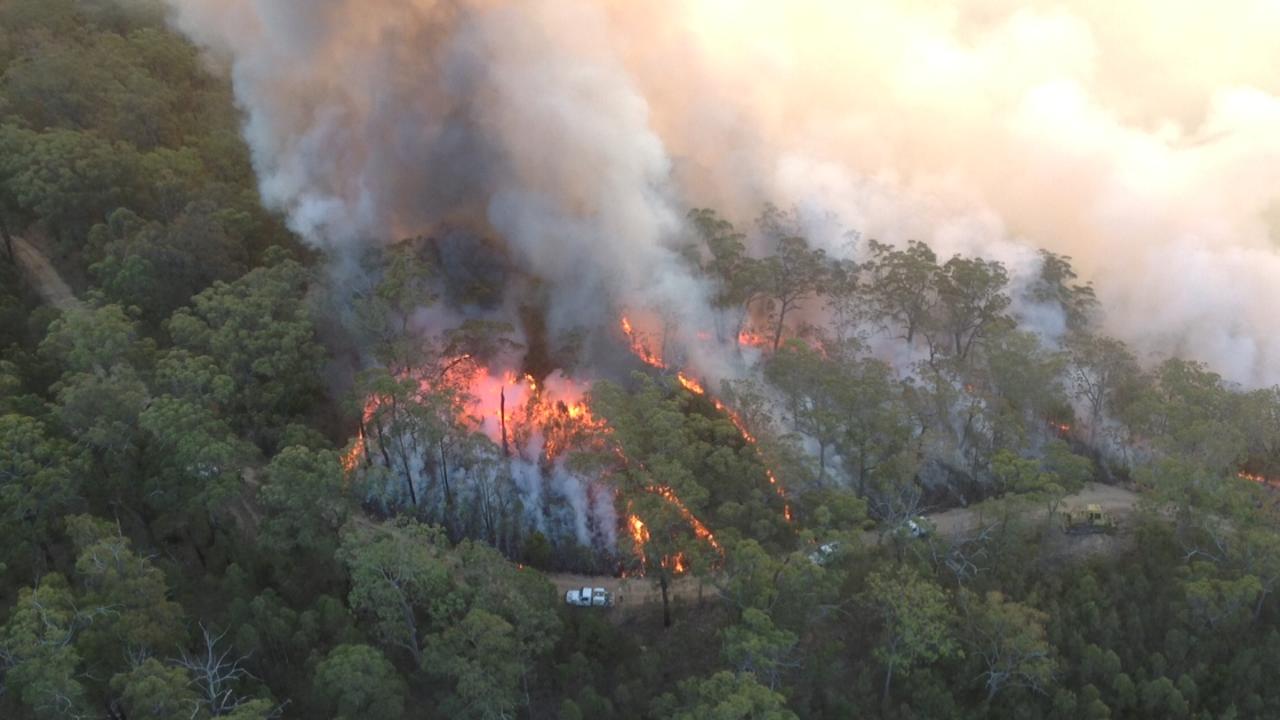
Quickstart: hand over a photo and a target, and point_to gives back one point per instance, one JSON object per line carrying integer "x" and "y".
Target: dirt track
{"x": 43, "y": 276}
{"x": 634, "y": 592}
{"x": 1116, "y": 501}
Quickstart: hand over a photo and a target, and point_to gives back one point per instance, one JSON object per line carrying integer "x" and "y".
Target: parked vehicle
{"x": 588, "y": 597}
{"x": 1090, "y": 520}
{"x": 824, "y": 553}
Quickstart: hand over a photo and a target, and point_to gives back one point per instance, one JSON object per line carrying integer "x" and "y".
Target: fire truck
{"x": 1088, "y": 521}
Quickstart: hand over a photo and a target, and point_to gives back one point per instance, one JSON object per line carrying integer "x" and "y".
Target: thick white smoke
{"x": 1140, "y": 137}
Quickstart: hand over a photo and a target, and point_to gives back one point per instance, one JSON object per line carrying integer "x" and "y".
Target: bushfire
{"x": 522, "y": 416}
{"x": 1259, "y": 479}
{"x": 695, "y": 387}
{"x": 638, "y": 346}
{"x": 746, "y": 338}
{"x": 511, "y": 410}
{"x": 541, "y": 420}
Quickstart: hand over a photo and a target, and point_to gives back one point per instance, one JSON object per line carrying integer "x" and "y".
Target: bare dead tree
{"x": 216, "y": 674}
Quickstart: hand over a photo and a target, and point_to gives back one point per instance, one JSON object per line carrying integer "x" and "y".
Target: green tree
{"x": 96, "y": 340}
{"x": 652, "y": 467}
{"x": 68, "y": 179}
{"x": 1102, "y": 371}
{"x": 158, "y": 267}
{"x": 356, "y": 682}
{"x": 903, "y": 286}
{"x": 736, "y": 274}
{"x": 916, "y": 621}
{"x": 305, "y": 504}
{"x": 481, "y": 656}
{"x": 399, "y": 572}
{"x": 128, "y": 596}
{"x": 792, "y": 274}
{"x": 151, "y": 691}
{"x": 1055, "y": 285}
{"x": 756, "y": 646}
{"x": 814, "y": 389}
{"x": 38, "y": 653}
{"x": 38, "y": 487}
{"x": 259, "y": 332}
{"x": 198, "y": 449}
{"x": 1009, "y": 641}
{"x": 972, "y": 302}
{"x": 726, "y": 696}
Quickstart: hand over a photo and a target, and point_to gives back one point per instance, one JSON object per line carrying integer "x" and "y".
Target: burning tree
{"x": 648, "y": 459}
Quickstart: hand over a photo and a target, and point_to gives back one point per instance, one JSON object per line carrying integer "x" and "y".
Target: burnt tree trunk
{"x": 8, "y": 239}
{"x": 666, "y": 599}
{"x": 502, "y": 420}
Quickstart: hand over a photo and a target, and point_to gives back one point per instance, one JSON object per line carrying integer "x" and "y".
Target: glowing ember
{"x": 1063, "y": 428}
{"x": 676, "y": 564}
{"x": 638, "y": 347}
{"x": 351, "y": 459}
{"x": 639, "y": 534}
{"x": 512, "y": 411}
{"x": 696, "y": 388}
{"x": 690, "y": 384}
{"x": 746, "y": 338}
{"x": 699, "y": 529}
{"x": 1259, "y": 479}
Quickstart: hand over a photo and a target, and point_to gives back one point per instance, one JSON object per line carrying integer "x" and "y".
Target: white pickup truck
{"x": 589, "y": 597}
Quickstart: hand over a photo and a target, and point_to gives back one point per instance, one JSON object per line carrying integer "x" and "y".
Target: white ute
{"x": 588, "y": 597}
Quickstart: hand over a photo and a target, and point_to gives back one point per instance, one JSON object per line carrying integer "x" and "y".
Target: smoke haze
{"x": 1141, "y": 138}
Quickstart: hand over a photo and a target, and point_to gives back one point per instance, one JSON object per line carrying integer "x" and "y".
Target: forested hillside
{"x": 241, "y": 479}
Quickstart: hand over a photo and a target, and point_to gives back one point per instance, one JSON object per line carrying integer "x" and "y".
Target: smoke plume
{"x": 1142, "y": 138}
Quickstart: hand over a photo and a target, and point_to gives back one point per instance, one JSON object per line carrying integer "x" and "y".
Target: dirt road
{"x": 43, "y": 276}
{"x": 634, "y": 592}
{"x": 1116, "y": 501}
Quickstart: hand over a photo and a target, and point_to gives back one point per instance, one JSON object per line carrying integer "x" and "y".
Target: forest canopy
{"x": 235, "y": 486}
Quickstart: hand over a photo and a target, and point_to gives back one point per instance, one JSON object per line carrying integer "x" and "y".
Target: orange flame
{"x": 699, "y": 530}
{"x": 1259, "y": 479}
{"x": 351, "y": 459}
{"x": 697, "y": 388}
{"x": 639, "y": 534}
{"x": 675, "y": 563}
{"x": 690, "y": 384}
{"x": 638, "y": 347}
{"x": 746, "y": 338}
{"x": 516, "y": 409}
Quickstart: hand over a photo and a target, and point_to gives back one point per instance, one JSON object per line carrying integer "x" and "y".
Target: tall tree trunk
{"x": 448, "y": 493}
{"x": 783, "y": 309}
{"x": 502, "y": 419}
{"x": 888, "y": 682}
{"x": 8, "y": 239}
{"x": 382, "y": 447}
{"x": 666, "y": 600}
{"x": 408, "y": 476}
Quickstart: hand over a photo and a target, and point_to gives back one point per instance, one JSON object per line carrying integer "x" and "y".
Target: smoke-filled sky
{"x": 1140, "y": 137}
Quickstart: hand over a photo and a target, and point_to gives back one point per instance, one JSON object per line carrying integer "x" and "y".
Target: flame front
{"x": 1259, "y": 479}
{"x": 690, "y": 384}
{"x": 696, "y": 388}
{"x": 351, "y": 458}
{"x": 509, "y": 410}
{"x": 746, "y": 338}
{"x": 638, "y": 347}
{"x": 522, "y": 413}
